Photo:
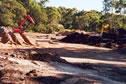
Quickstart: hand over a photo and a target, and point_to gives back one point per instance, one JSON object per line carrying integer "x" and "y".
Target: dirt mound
{"x": 17, "y": 39}
{"x": 108, "y": 40}
{"x": 76, "y": 38}
{"x": 81, "y": 38}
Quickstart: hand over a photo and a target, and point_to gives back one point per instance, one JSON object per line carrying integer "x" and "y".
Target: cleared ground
{"x": 84, "y": 64}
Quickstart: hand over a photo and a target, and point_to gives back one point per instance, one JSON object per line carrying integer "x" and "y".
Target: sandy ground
{"x": 85, "y": 64}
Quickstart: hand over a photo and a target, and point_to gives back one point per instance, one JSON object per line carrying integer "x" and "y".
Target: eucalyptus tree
{"x": 88, "y": 20}
{"x": 53, "y": 18}
{"x": 106, "y": 6}
{"x": 37, "y": 12}
{"x": 120, "y": 5}
{"x": 81, "y": 20}
{"x": 42, "y": 2}
{"x": 11, "y": 12}
{"x": 68, "y": 15}
{"x": 53, "y": 15}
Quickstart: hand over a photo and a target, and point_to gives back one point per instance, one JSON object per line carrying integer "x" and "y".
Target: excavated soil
{"x": 108, "y": 40}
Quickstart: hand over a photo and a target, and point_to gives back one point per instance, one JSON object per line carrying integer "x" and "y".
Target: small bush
{"x": 40, "y": 28}
{"x": 55, "y": 28}
{"x": 29, "y": 30}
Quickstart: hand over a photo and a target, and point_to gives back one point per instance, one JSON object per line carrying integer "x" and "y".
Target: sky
{"x": 79, "y": 4}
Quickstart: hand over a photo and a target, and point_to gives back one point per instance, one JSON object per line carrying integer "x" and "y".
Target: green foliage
{"x": 53, "y": 15}
{"x": 42, "y": 2}
{"x": 37, "y": 12}
{"x": 29, "y": 30}
{"x": 54, "y": 28}
{"x": 40, "y": 28}
{"x": 67, "y": 16}
{"x": 52, "y": 19}
{"x": 11, "y": 12}
{"x": 106, "y": 6}
{"x": 114, "y": 19}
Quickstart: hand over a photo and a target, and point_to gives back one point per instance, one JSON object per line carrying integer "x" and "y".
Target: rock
{"x": 47, "y": 57}
{"x": 50, "y": 42}
{"x": 33, "y": 52}
{"x": 6, "y": 53}
{"x": 53, "y": 38}
{"x": 13, "y": 55}
{"x": 32, "y": 73}
{"x": 1, "y": 65}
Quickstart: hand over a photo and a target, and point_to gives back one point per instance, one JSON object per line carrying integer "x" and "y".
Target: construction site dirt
{"x": 112, "y": 41}
{"x": 84, "y": 59}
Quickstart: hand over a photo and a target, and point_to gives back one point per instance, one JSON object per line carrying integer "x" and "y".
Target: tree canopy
{"x": 51, "y": 19}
